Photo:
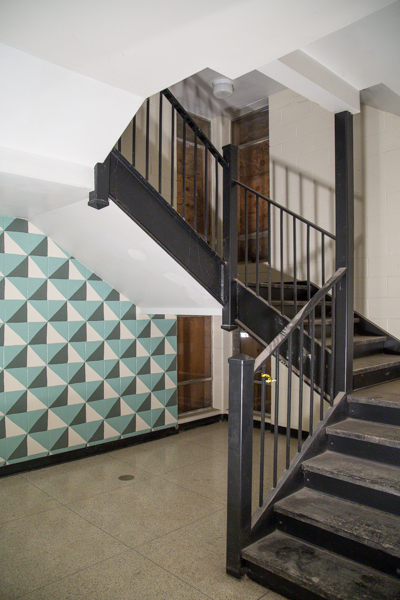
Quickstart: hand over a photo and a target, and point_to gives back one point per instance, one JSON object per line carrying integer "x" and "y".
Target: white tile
{"x": 275, "y": 117}
{"x": 298, "y": 110}
{"x": 391, "y": 122}
{"x": 297, "y": 146}
{"x": 373, "y": 120}
{"x": 323, "y": 139}
{"x": 282, "y": 133}
{"x": 394, "y": 287}
{"x": 393, "y": 327}
{"x": 311, "y": 161}
{"x": 393, "y": 202}
{"x": 315, "y": 123}
{"x": 371, "y": 287}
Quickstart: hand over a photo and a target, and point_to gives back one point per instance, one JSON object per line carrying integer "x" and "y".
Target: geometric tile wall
{"x": 78, "y": 366}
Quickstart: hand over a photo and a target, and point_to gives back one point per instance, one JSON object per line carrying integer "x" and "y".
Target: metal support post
{"x": 230, "y": 236}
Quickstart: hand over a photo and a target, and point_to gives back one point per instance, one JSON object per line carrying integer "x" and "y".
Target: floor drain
{"x": 126, "y": 477}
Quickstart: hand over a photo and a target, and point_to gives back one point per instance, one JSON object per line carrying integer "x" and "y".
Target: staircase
{"x": 330, "y": 527}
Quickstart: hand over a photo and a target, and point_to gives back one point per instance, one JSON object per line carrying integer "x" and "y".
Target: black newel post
{"x": 230, "y": 236}
{"x": 344, "y": 177}
{"x": 99, "y": 197}
{"x": 240, "y": 450}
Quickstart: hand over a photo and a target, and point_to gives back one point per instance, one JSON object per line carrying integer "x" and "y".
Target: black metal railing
{"x": 289, "y": 247}
{"x": 302, "y": 347}
{"x": 165, "y": 144}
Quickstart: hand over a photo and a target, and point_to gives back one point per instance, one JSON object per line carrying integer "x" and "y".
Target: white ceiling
{"x": 74, "y": 74}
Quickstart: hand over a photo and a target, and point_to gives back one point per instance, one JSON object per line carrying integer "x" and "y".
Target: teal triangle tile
{"x": 80, "y": 349}
{"x": 143, "y": 329}
{"x": 37, "y": 377}
{"x": 95, "y": 432}
{"x": 173, "y": 377}
{"x": 170, "y": 362}
{"x": 114, "y": 332}
{"x": 99, "y": 327}
{"x": 160, "y": 360}
{"x": 61, "y": 272}
{"x": 79, "y": 376}
{"x": 16, "y": 403}
{"x": 98, "y": 366}
{"x": 140, "y": 362}
{"x": 93, "y": 277}
{"x": 21, "y": 375}
{"x": 113, "y": 296}
{"x": 3, "y": 448}
{"x": 173, "y": 410}
{"x": 172, "y": 331}
{"x": 146, "y": 343}
{"x": 79, "y": 336}
{"x": 157, "y": 382}
{"x": 58, "y": 440}
{"x": 40, "y": 248}
{"x": 15, "y": 265}
{"x": 21, "y": 420}
{"x": 125, "y": 382}
{"x": 129, "y": 389}
{"x": 38, "y": 420}
{"x": 57, "y": 310}
{"x": 79, "y": 418}
{"x": 130, "y": 400}
{"x": 76, "y": 290}
{"x": 69, "y": 413}
{"x": 143, "y": 402}
{"x": 146, "y": 379}
{"x": 62, "y": 286}
{"x": 26, "y": 242}
{"x": 130, "y": 314}
{"x": 113, "y": 372}
{"x": 171, "y": 398}
{"x": 2, "y": 382}
{"x": 43, "y": 440}
{"x": 116, "y": 346}
{"x": 15, "y": 311}
{"x": 10, "y": 353}
{"x": 95, "y": 391}
{"x": 81, "y": 429}
{"x": 36, "y": 289}
{"x": 59, "y": 396}
{"x": 41, "y": 350}
{"x": 42, "y": 263}
{"x": 160, "y": 395}
{"x": 61, "y": 357}
{"x": 17, "y": 449}
{"x": 116, "y": 423}
{"x": 163, "y": 326}
{"x": 41, "y": 307}
{"x": 14, "y": 224}
{"x": 158, "y": 418}
{"x": 42, "y": 394}
{"x": 100, "y": 407}
{"x": 129, "y": 349}
{"x": 19, "y": 361}
{"x": 157, "y": 317}
{"x": 116, "y": 384}
{"x": 157, "y": 346}
{"x": 2, "y": 288}
{"x": 101, "y": 288}
{"x": 95, "y": 311}
{"x": 81, "y": 268}
{"x": 63, "y": 370}
{"x": 54, "y": 349}
{"x": 21, "y": 283}
{"x": 132, "y": 327}
{"x": 113, "y": 409}
{"x": 95, "y": 351}
{"x": 128, "y": 425}
{"x": 144, "y": 369}
{"x": 114, "y": 305}
{"x": 79, "y": 306}
{"x": 80, "y": 388}
{"x": 62, "y": 328}
{"x": 146, "y": 415}
{"x": 172, "y": 340}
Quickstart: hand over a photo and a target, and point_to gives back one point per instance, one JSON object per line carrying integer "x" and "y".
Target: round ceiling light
{"x": 222, "y": 88}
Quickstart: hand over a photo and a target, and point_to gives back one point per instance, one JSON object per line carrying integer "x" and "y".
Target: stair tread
{"x": 366, "y": 473}
{"x": 299, "y": 302}
{"x": 375, "y": 362}
{"x": 362, "y": 340}
{"x": 319, "y": 571}
{"x": 368, "y": 431}
{"x": 372, "y": 527}
{"x": 379, "y": 399}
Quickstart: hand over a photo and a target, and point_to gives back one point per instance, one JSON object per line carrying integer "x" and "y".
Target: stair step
{"x": 368, "y": 431}
{"x": 359, "y": 340}
{"x": 384, "y": 408}
{"x": 352, "y": 478}
{"x": 375, "y": 362}
{"x": 372, "y": 536}
{"x": 305, "y": 571}
{"x": 379, "y": 398}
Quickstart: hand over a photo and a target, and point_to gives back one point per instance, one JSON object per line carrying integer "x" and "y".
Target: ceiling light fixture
{"x": 222, "y": 88}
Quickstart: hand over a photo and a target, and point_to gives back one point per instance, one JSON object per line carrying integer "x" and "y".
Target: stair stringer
{"x": 263, "y": 520}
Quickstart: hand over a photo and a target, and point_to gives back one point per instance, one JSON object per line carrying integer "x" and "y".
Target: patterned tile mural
{"x": 79, "y": 367}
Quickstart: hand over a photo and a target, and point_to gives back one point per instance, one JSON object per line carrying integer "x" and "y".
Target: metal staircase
{"x": 329, "y": 527}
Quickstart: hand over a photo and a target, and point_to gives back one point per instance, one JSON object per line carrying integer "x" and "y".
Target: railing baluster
{"x": 294, "y": 265}
{"x": 301, "y": 370}
{"x": 160, "y": 137}
{"x": 269, "y": 255}
{"x": 147, "y": 137}
{"x": 308, "y": 264}
{"x": 258, "y": 244}
{"x": 205, "y": 200}
{"x": 216, "y": 206}
{"x": 312, "y": 370}
{"x": 289, "y": 402}
{"x": 119, "y": 144}
{"x": 184, "y": 172}
{"x": 172, "y": 154}
{"x": 333, "y": 345}
{"x": 262, "y": 437}
{"x": 133, "y": 141}
{"x": 246, "y": 237}
{"x": 195, "y": 184}
{"x": 281, "y": 259}
{"x": 322, "y": 361}
{"x": 276, "y": 418}
{"x": 322, "y": 258}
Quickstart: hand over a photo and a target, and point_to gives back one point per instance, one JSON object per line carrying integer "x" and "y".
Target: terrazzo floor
{"x": 76, "y": 531}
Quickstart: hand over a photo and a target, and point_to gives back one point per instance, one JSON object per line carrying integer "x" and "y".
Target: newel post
{"x": 344, "y": 180}
{"x": 240, "y": 454}
{"x": 230, "y": 236}
{"x": 99, "y": 197}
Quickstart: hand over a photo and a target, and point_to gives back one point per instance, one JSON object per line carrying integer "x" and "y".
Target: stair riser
{"x": 382, "y": 500}
{"x": 290, "y": 311}
{"x": 368, "y": 378}
{"x": 364, "y": 449}
{"x": 279, "y": 584}
{"x": 276, "y": 293}
{"x": 368, "y": 349}
{"x": 374, "y": 412}
{"x": 340, "y": 544}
